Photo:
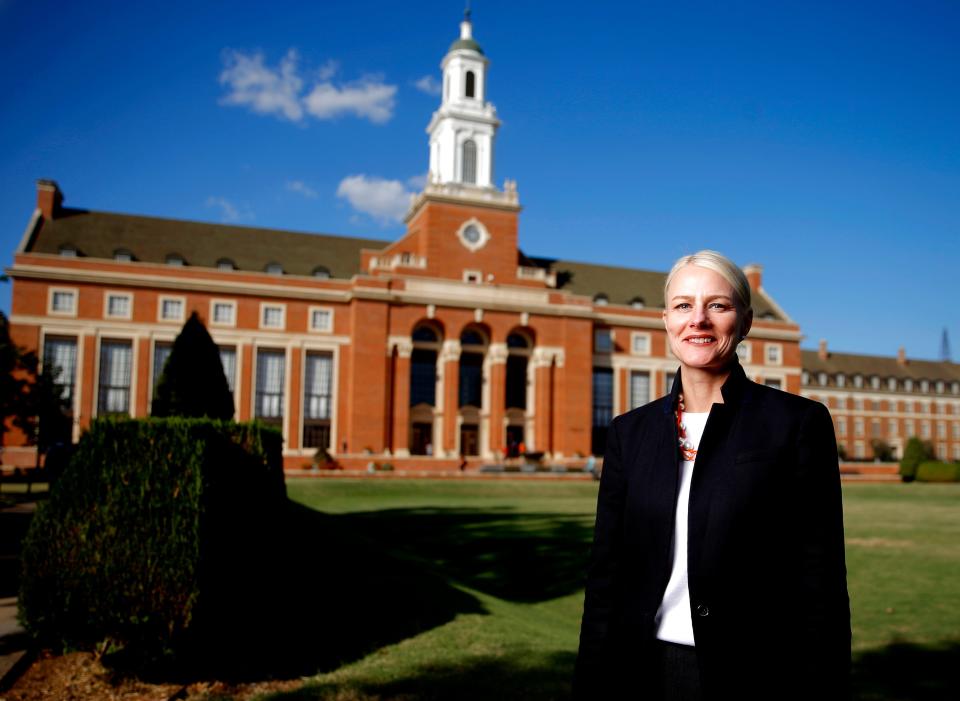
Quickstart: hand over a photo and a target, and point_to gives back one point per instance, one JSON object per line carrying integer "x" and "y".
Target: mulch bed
{"x": 79, "y": 676}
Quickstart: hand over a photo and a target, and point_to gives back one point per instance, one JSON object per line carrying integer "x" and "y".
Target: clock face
{"x": 471, "y": 233}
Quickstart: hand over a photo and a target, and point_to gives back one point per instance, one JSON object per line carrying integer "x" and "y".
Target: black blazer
{"x": 765, "y": 558}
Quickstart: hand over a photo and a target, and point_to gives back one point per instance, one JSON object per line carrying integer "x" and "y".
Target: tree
{"x": 18, "y": 372}
{"x": 882, "y": 450}
{"x": 916, "y": 452}
{"x": 192, "y": 382}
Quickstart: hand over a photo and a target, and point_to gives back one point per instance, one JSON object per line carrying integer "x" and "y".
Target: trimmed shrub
{"x": 935, "y": 471}
{"x": 152, "y": 534}
{"x": 915, "y": 452}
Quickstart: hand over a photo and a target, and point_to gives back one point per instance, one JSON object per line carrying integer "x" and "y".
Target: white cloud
{"x": 302, "y": 188}
{"x": 428, "y": 84}
{"x": 262, "y": 89}
{"x": 369, "y": 97}
{"x": 418, "y": 182}
{"x": 230, "y": 213}
{"x": 384, "y": 200}
{"x": 280, "y": 91}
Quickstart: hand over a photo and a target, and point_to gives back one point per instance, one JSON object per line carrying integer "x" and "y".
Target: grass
{"x": 481, "y": 586}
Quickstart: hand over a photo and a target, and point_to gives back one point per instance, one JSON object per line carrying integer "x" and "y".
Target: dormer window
{"x": 601, "y": 299}
{"x": 940, "y": 386}
{"x": 892, "y": 384}
{"x": 321, "y": 272}
{"x": 471, "y": 85}
{"x": 822, "y": 379}
{"x": 122, "y": 255}
{"x": 274, "y": 269}
{"x": 841, "y": 380}
{"x": 637, "y": 303}
{"x": 226, "y": 264}
{"x": 68, "y": 251}
{"x": 875, "y": 382}
{"x": 908, "y": 385}
{"x": 858, "y": 381}
{"x": 176, "y": 260}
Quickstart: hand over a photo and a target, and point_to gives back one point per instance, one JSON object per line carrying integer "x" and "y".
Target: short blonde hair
{"x": 719, "y": 263}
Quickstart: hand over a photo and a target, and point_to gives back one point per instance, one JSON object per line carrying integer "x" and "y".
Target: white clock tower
{"x": 463, "y": 129}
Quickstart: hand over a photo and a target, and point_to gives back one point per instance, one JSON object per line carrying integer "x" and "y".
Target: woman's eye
{"x": 683, "y": 306}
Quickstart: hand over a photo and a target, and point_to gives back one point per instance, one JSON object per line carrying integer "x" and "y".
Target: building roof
{"x": 468, "y": 44}
{"x": 624, "y": 285}
{"x": 851, "y": 364}
{"x": 152, "y": 239}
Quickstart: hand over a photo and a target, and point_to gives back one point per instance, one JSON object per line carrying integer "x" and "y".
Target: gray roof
{"x": 152, "y": 239}
{"x": 624, "y": 285}
{"x": 468, "y": 44}
{"x": 851, "y": 364}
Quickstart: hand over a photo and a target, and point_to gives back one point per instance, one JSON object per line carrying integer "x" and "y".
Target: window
{"x": 637, "y": 303}
{"x": 317, "y": 393}
{"x": 876, "y": 404}
{"x": 176, "y": 260}
{"x": 321, "y": 319}
{"x": 226, "y": 264}
{"x": 474, "y": 277}
{"x": 274, "y": 269}
{"x": 223, "y": 313}
{"x": 858, "y": 427}
{"x": 639, "y": 388}
{"x": 640, "y": 343}
{"x": 423, "y": 377}
{"x": 875, "y": 428}
{"x": 602, "y": 408}
{"x": 118, "y": 305}
{"x": 858, "y": 404}
{"x": 469, "y": 162}
{"x": 122, "y": 255}
{"x": 841, "y": 426}
{"x": 909, "y": 428}
{"x": 875, "y": 382}
{"x": 228, "y": 359}
{"x": 956, "y": 431}
{"x": 602, "y": 341}
{"x": 774, "y": 354}
{"x": 471, "y": 379}
{"x": 940, "y": 386}
{"x": 171, "y": 308}
{"x": 668, "y": 379}
{"x": 859, "y": 451}
{"x": 272, "y": 316}
{"x": 60, "y": 365}
{"x": 116, "y": 364}
{"x": 270, "y": 374}
{"x": 805, "y": 378}
{"x": 161, "y": 351}
{"x": 892, "y": 428}
{"x": 858, "y": 381}
{"x": 773, "y": 382}
{"x": 941, "y": 429}
{"x": 924, "y": 386}
{"x": 841, "y": 380}
{"x": 822, "y": 379}
{"x": 470, "y": 85}
{"x": 744, "y": 351}
{"x": 892, "y": 384}
{"x": 63, "y": 302}
{"x": 321, "y": 272}
{"x": 956, "y": 452}
{"x": 841, "y": 402}
{"x": 925, "y": 429}
{"x": 601, "y": 299}
{"x": 68, "y": 251}
{"x": 908, "y": 385}
{"x": 955, "y": 387}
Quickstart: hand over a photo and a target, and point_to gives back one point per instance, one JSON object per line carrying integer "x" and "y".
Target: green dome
{"x": 468, "y": 44}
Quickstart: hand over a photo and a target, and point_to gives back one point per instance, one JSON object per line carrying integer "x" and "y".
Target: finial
{"x": 466, "y": 11}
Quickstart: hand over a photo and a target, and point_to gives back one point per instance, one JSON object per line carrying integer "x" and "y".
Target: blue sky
{"x": 819, "y": 139}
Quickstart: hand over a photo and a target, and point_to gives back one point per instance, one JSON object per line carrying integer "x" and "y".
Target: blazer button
{"x": 703, "y": 610}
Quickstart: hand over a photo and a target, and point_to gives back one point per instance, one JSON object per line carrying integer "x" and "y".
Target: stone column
{"x": 449, "y": 362}
{"x": 497, "y": 380}
{"x": 401, "y": 395}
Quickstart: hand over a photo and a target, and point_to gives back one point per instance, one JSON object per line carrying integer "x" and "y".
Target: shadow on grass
{"x": 532, "y": 677}
{"x": 908, "y": 672}
{"x": 520, "y": 557}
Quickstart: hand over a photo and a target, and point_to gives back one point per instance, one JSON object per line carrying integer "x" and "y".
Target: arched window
{"x": 601, "y": 298}
{"x": 425, "y": 334}
{"x": 274, "y": 269}
{"x": 637, "y": 303}
{"x": 123, "y": 255}
{"x": 517, "y": 340}
{"x": 471, "y": 338}
{"x": 226, "y": 264}
{"x": 471, "y": 85}
{"x": 175, "y": 259}
{"x": 321, "y": 272}
{"x": 68, "y": 251}
{"x": 469, "y": 161}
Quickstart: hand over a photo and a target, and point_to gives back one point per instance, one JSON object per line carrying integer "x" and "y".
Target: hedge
{"x": 152, "y": 535}
{"x": 934, "y": 471}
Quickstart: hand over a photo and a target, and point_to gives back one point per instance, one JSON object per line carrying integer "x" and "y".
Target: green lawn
{"x": 482, "y": 586}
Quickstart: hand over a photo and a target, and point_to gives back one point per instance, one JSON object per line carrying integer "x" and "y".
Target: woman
{"x": 717, "y": 569}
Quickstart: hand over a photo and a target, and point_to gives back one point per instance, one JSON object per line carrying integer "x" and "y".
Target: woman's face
{"x": 703, "y": 322}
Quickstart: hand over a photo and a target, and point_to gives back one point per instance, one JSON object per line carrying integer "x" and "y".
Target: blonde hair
{"x": 718, "y": 263}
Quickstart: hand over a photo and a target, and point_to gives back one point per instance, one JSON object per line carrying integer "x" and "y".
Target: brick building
{"x": 449, "y": 341}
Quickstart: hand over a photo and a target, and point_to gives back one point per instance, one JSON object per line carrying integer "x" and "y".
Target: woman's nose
{"x": 699, "y": 317}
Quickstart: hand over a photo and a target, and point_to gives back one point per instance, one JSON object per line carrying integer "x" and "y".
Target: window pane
{"x": 172, "y": 309}
{"x": 270, "y": 371}
{"x": 469, "y": 162}
{"x": 320, "y": 320}
{"x": 63, "y": 301}
{"x": 116, "y": 359}
{"x": 602, "y": 408}
{"x": 639, "y": 389}
{"x": 223, "y": 313}
{"x": 228, "y": 358}
{"x": 471, "y": 379}
{"x": 423, "y": 372}
{"x": 161, "y": 351}
{"x": 60, "y": 363}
